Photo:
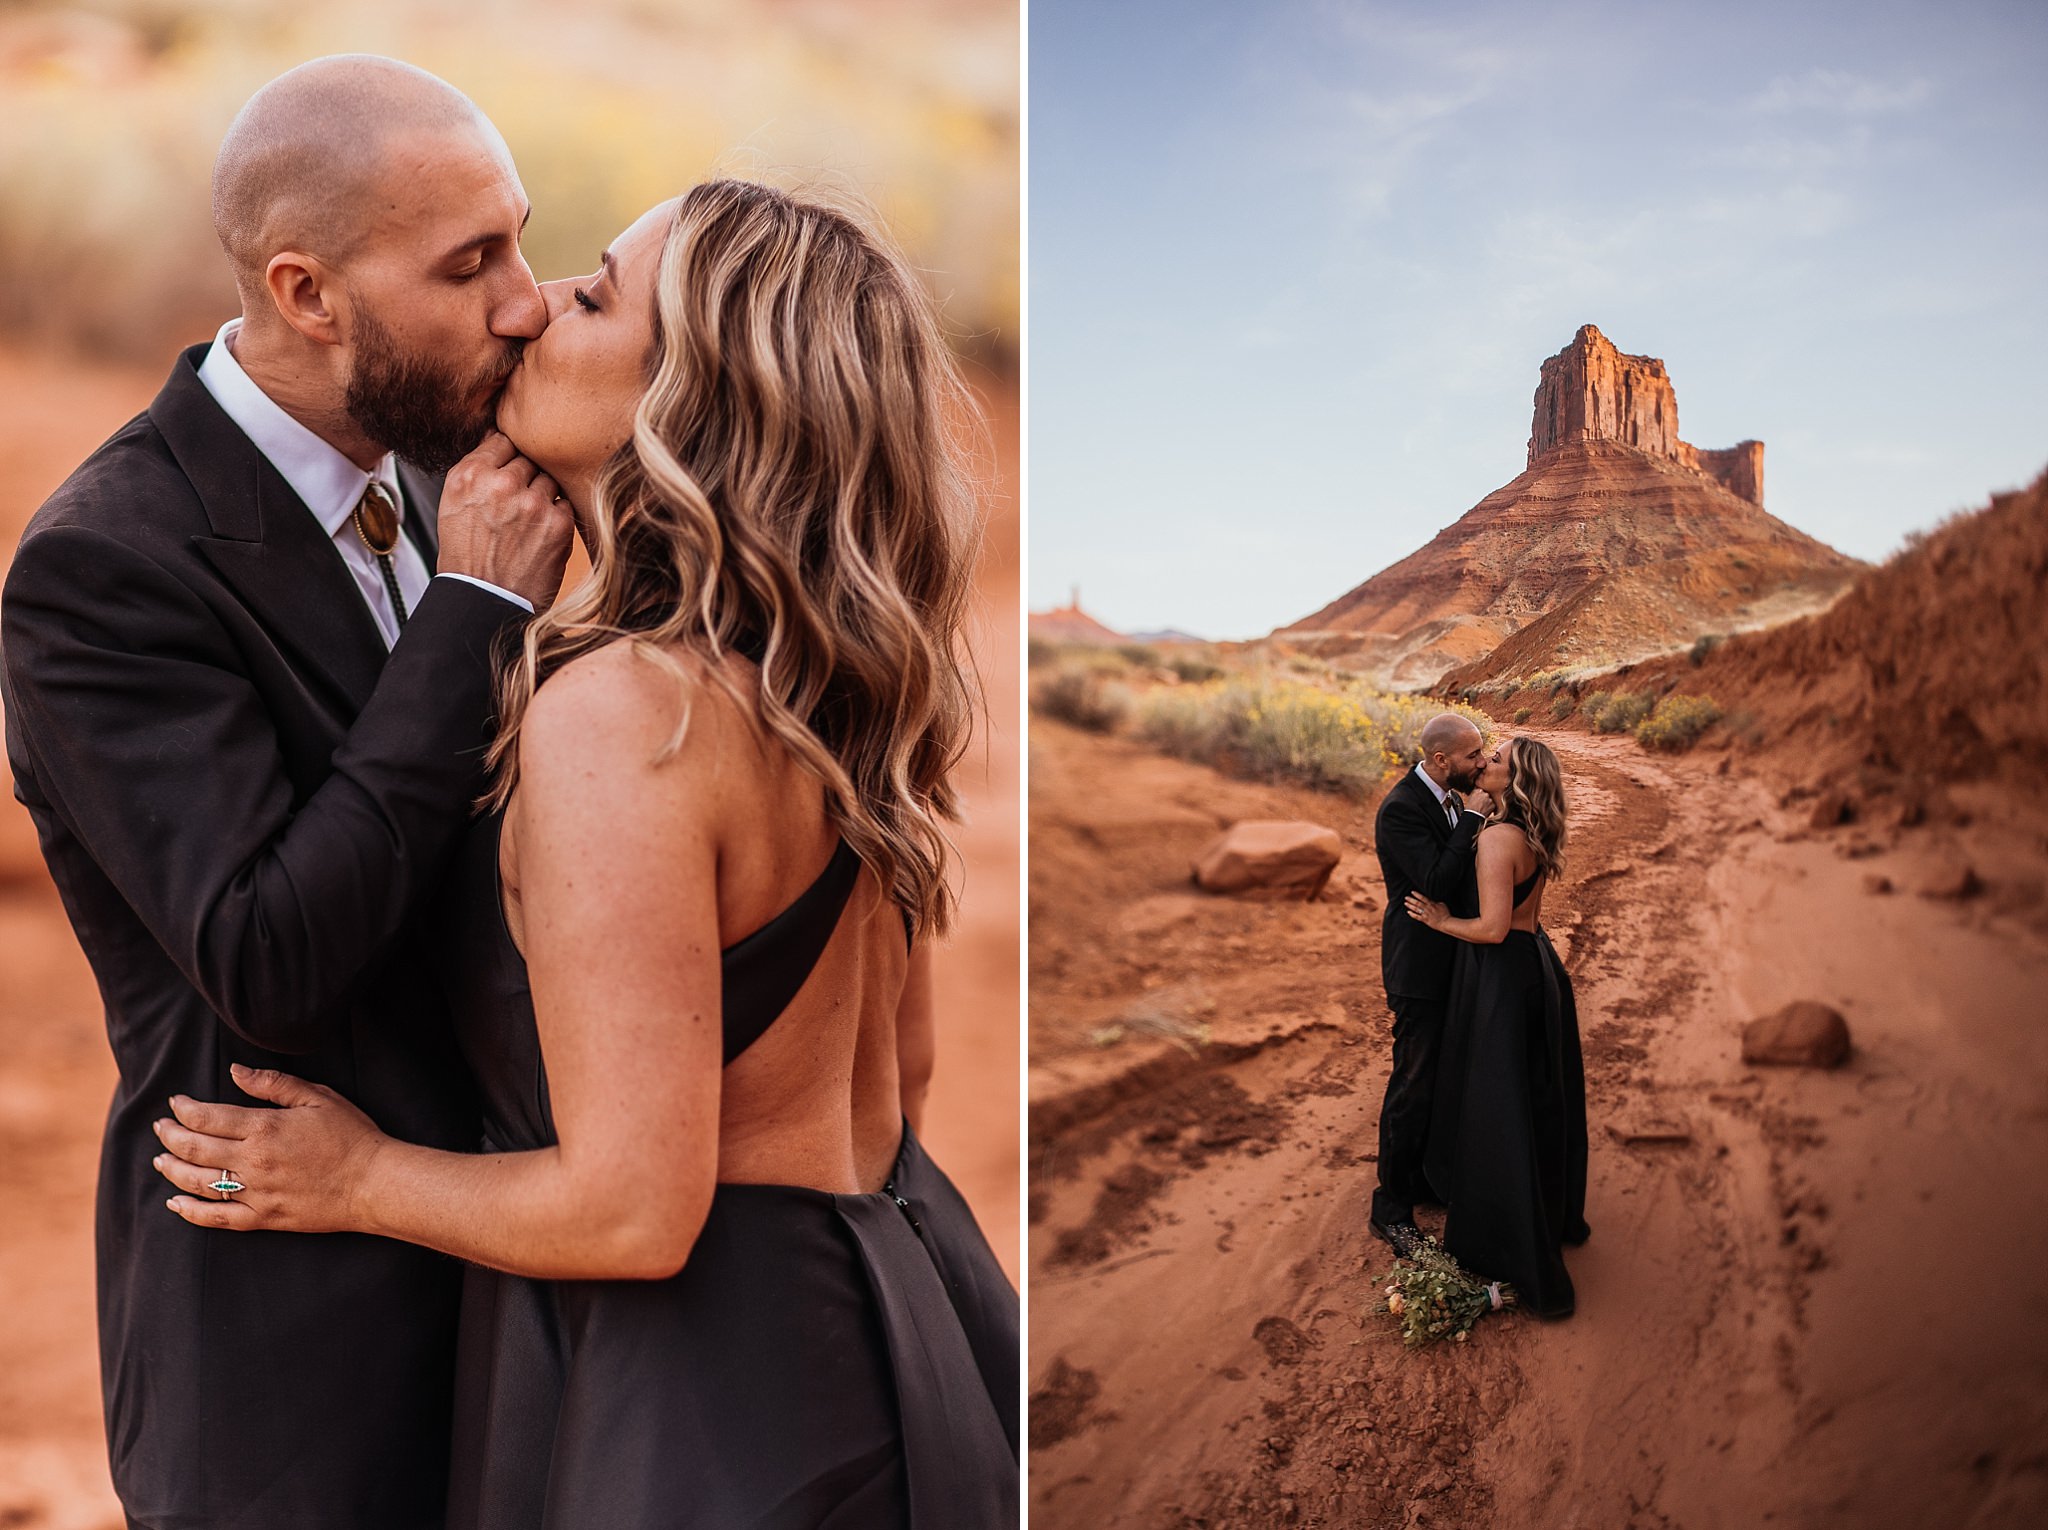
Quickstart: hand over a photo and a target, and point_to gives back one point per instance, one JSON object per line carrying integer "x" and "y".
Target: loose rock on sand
{"x": 1951, "y": 879}
{"x": 1803, "y": 1034}
{"x": 1276, "y": 855}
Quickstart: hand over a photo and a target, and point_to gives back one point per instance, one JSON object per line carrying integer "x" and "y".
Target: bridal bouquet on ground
{"x": 1435, "y": 1299}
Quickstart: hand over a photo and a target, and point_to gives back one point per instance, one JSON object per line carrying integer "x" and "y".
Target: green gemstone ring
{"x": 227, "y": 1185}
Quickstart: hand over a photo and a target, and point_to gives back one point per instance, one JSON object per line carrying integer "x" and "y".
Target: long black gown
{"x": 1507, "y": 1129}
{"x": 822, "y": 1360}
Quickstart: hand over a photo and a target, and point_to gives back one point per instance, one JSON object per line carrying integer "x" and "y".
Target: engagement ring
{"x": 227, "y": 1185}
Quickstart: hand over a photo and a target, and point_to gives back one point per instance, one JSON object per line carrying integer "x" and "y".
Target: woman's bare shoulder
{"x": 626, "y": 704}
{"x": 1504, "y": 842}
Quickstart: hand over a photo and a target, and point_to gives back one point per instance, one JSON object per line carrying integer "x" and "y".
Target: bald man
{"x": 248, "y": 668}
{"x": 1425, "y": 836}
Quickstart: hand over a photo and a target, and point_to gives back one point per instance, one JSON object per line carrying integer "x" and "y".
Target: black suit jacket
{"x": 244, "y": 804}
{"x": 1420, "y": 851}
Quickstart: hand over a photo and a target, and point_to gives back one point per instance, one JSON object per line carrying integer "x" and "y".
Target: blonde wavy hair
{"x": 1534, "y": 801}
{"x": 794, "y": 489}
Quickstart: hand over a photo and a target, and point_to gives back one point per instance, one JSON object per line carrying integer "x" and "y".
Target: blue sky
{"x": 1294, "y": 266}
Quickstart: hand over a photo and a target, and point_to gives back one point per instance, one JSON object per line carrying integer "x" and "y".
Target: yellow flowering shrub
{"x": 1344, "y": 739}
{"x": 1615, "y": 711}
{"x": 1677, "y": 722}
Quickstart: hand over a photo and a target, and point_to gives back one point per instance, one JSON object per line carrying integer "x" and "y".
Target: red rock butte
{"x": 1591, "y": 391}
{"x": 1620, "y": 541}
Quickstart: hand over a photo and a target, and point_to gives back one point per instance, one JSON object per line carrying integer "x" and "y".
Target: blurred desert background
{"x": 1794, "y": 779}
{"x": 109, "y": 116}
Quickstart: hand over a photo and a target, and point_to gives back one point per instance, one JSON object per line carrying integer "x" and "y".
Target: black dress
{"x": 821, "y": 1360}
{"x": 1507, "y": 1130}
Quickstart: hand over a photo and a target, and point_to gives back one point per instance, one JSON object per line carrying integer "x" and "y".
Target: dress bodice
{"x": 820, "y": 1359}
{"x": 491, "y": 999}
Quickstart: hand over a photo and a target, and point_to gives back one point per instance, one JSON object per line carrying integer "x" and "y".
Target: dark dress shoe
{"x": 1404, "y": 1237}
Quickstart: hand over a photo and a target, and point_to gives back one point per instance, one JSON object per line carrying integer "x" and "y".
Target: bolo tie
{"x": 376, "y": 521}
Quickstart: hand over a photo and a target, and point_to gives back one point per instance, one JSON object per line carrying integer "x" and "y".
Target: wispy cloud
{"x": 1387, "y": 131}
{"x": 1840, "y": 94}
{"x": 1405, "y": 114}
{"x": 1694, "y": 237}
{"x": 1377, "y": 87}
{"x": 1794, "y": 154}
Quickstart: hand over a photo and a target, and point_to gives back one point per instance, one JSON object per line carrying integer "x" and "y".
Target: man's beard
{"x": 1465, "y": 780}
{"x": 415, "y": 405}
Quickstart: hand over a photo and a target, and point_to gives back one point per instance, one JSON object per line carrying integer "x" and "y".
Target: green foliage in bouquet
{"x": 1434, "y": 1299}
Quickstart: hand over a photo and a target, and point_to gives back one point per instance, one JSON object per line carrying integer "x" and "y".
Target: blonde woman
{"x": 1507, "y": 1136}
{"x": 718, "y": 1282}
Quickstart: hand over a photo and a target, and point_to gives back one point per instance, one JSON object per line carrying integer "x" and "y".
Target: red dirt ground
{"x": 1816, "y": 1310}
{"x": 56, "y": 1075}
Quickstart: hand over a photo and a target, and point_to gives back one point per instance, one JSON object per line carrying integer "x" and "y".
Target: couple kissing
{"x": 1485, "y": 1107}
{"x": 576, "y": 952}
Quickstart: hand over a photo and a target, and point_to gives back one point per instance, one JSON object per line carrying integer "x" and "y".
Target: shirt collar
{"x": 330, "y": 485}
{"x": 1429, "y": 781}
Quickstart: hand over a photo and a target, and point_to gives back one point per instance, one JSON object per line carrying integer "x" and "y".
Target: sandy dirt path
{"x": 56, "y": 1075}
{"x": 1815, "y": 1309}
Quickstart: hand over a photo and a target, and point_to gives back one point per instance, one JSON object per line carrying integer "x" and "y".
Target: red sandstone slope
{"x": 1611, "y": 491}
{"x": 1640, "y": 613}
{"x": 1585, "y": 511}
{"x": 1933, "y": 666}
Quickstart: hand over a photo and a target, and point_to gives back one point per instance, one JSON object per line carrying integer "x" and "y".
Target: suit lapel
{"x": 1426, "y": 800}
{"x": 266, "y": 543}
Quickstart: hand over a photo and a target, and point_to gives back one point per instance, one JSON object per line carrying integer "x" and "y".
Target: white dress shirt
{"x": 1443, "y": 796}
{"x": 330, "y": 484}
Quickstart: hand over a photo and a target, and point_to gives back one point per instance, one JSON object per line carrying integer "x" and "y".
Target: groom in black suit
{"x": 247, "y": 716}
{"x": 1425, "y": 835}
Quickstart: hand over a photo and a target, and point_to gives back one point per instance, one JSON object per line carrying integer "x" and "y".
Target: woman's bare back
{"x": 1526, "y": 914}
{"x": 817, "y": 1100}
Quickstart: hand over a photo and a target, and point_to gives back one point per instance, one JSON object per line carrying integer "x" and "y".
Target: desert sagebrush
{"x": 1677, "y": 722}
